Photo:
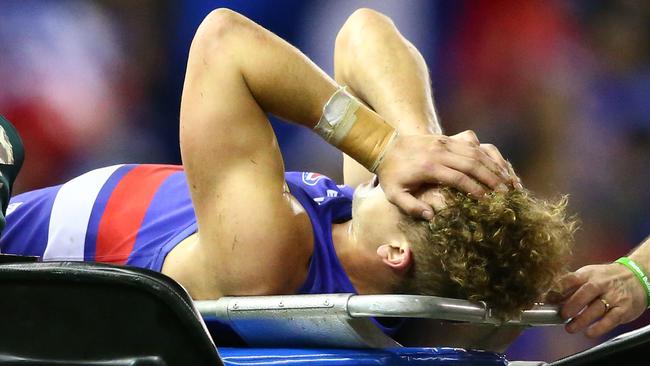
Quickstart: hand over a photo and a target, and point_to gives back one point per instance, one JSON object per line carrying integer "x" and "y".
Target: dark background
{"x": 561, "y": 87}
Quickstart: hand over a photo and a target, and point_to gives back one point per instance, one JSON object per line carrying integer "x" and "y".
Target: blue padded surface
{"x": 359, "y": 357}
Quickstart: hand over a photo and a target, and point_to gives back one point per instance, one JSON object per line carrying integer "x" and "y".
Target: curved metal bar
{"x": 414, "y": 306}
{"x": 213, "y": 308}
{"x": 442, "y": 308}
{"x": 364, "y": 306}
{"x": 296, "y": 321}
{"x": 540, "y": 315}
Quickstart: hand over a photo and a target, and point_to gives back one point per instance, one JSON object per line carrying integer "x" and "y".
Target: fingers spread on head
{"x": 462, "y": 182}
{"x": 487, "y": 154}
{"x": 516, "y": 180}
{"x": 468, "y": 136}
{"x": 438, "y": 145}
{"x": 479, "y": 156}
{"x": 477, "y": 170}
{"x": 496, "y": 156}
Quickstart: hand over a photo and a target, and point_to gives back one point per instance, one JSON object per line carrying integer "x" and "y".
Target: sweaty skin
{"x": 254, "y": 238}
{"x": 237, "y": 73}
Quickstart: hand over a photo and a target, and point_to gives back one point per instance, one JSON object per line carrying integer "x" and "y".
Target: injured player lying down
{"x": 444, "y": 215}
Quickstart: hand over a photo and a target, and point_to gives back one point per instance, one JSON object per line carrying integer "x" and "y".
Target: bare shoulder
{"x": 260, "y": 256}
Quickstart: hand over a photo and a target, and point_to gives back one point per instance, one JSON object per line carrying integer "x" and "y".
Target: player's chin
{"x": 357, "y": 199}
{"x": 362, "y": 190}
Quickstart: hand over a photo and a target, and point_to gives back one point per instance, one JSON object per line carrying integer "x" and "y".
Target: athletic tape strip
{"x": 355, "y": 129}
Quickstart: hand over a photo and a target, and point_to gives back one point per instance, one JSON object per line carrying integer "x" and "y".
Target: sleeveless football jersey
{"x": 136, "y": 214}
{"x": 123, "y": 214}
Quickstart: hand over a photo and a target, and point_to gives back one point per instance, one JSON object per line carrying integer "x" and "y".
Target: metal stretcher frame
{"x": 344, "y": 320}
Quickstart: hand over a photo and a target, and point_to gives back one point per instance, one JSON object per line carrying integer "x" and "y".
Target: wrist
{"x": 414, "y": 124}
{"x": 640, "y": 274}
{"x": 417, "y": 131}
{"x": 355, "y": 129}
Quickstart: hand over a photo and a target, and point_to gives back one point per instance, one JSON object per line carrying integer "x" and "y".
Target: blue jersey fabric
{"x": 52, "y": 223}
{"x": 168, "y": 219}
{"x": 325, "y": 203}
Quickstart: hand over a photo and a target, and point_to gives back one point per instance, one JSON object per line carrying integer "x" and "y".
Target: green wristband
{"x": 639, "y": 273}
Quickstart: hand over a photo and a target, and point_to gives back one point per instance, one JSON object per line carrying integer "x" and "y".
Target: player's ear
{"x": 397, "y": 256}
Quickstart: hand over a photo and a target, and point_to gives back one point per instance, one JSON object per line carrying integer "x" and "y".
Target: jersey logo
{"x": 330, "y": 194}
{"x": 311, "y": 178}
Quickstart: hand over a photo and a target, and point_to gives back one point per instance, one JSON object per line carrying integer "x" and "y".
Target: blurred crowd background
{"x": 561, "y": 87}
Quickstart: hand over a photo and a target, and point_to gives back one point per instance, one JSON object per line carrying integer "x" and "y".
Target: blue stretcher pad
{"x": 337, "y": 329}
{"x": 360, "y": 357}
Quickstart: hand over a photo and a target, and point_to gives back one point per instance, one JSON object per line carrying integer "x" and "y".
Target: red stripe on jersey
{"x": 125, "y": 211}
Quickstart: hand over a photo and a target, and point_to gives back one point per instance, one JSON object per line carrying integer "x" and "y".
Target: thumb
{"x": 411, "y": 205}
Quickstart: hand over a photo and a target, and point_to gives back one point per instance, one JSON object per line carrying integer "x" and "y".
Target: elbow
{"x": 218, "y": 28}
{"x": 361, "y": 30}
{"x": 357, "y": 24}
{"x": 367, "y": 16}
{"x": 221, "y": 22}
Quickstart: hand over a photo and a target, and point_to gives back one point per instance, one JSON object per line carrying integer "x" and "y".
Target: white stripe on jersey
{"x": 71, "y": 213}
{"x": 12, "y": 207}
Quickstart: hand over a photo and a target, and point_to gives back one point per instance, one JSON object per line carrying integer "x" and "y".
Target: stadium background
{"x": 561, "y": 87}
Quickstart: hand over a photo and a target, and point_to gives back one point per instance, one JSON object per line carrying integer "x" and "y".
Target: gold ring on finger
{"x": 607, "y": 305}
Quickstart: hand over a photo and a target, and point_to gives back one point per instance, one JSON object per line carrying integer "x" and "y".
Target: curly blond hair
{"x": 507, "y": 249}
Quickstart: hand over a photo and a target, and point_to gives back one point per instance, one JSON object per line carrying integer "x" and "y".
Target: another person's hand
{"x": 459, "y": 161}
{"x": 597, "y": 298}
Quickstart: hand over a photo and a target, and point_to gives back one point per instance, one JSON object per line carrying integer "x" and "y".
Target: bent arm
{"x": 281, "y": 79}
{"x": 388, "y": 73}
{"x": 236, "y": 73}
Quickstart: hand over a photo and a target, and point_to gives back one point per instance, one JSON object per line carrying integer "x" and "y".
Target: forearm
{"x": 238, "y": 71}
{"x": 233, "y": 58}
{"x": 281, "y": 79}
{"x": 386, "y": 71}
